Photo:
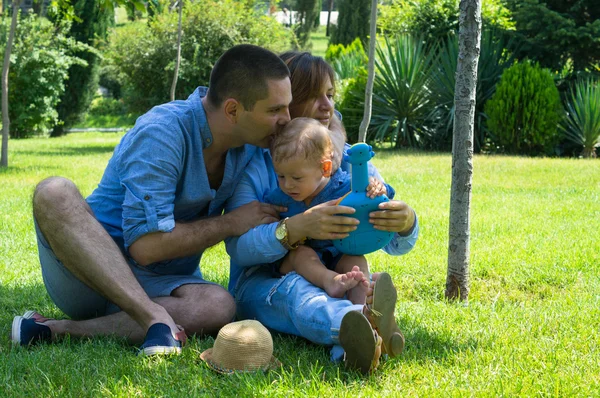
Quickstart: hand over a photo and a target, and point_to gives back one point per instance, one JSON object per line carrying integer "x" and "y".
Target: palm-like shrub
{"x": 524, "y": 112}
{"x": 581, "y": 124}
{"x": 401, "y": 95}
{"x": 495, "y": 56}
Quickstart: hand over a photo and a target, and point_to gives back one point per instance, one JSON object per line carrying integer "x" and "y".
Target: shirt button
{"x": 147, "y": 197}
{"x": 208, "y": 140}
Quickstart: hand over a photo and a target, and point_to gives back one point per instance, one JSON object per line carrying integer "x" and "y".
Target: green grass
{"x": 100, "y": 121}
{"x": 531, "y": 327}
{"x": 319, "y": 42}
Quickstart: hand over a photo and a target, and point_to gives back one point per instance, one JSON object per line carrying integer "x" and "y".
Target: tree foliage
{"x": 42, "y": 55}
{"x": 554, "y": 31}
{"x": 435, "y": 19}
{"x": 525, "y": 110}
{"x": 307, "y": 11}
{"x": 92, "y": 23}
{"x": 145, "y": 66}
{"x": 352, "y": 22}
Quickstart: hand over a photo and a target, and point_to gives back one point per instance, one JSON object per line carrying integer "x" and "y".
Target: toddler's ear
{"x": 326, "y": 168}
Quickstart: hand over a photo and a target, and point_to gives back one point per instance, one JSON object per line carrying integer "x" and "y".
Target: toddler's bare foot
{"x": 340, "y": 284}
{"x": 358, "y": 294}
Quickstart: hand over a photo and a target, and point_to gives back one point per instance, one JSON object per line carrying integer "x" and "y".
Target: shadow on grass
{"x": 26, "y": 169}
{"x": 71, "y": 151}
{"x": 421, "y": 346}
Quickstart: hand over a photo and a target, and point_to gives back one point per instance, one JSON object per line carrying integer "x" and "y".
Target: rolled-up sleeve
{"x": 258, "y": 245}
{"x": 150, "y": 167}
{"x": 400, "y": 244}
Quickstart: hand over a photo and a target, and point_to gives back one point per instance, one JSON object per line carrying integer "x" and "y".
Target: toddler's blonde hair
{"x": 305, "y": 138}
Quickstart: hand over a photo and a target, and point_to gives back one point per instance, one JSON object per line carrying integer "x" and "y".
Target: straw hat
{"x": 244, "y": 346}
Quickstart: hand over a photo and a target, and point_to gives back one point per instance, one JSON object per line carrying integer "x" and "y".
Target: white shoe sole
{"x": 16, "y": 330}
{"x": 160, "y": 350}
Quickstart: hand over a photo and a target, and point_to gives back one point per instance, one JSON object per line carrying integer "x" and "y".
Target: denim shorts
{"x": 79, "y": 301}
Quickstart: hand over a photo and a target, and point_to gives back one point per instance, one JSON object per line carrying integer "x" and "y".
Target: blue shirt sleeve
{"x": 259, "y": 245}
{"x": 150, "y": 167}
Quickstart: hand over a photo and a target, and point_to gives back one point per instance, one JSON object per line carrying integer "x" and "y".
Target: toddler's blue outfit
{"x": 339, "y": 185}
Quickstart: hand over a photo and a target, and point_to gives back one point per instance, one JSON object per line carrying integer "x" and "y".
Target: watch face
{"x": 280, "y": 231}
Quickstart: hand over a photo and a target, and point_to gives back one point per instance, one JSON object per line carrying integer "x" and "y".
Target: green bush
{"x": 101, "y": 106}
{"x": 581, "y": 124}
{"x": 352, "y": 104}
{"x": 41, "y": 57}
{"x": 524, "y": 111}
{"x": 496, "y": 54}
{"x": 145, "y": 66}
{"x": 346, "y": 60}
{"x": 435, "y": 19}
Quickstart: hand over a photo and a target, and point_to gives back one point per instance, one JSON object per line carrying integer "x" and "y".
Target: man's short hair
{"x": 242, "y": 73}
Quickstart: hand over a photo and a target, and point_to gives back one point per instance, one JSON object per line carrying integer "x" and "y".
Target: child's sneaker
{"x": 26, "y": 331}
{"x": 159, "y": 340}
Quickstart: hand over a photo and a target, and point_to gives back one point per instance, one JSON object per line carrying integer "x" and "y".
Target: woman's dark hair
{"x": 308, "y": 73}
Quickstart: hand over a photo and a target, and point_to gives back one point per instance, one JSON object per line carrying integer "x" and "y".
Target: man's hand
{"x": 375, "y": 188}
{"x": 252, "y": 214}
{"x": 321, "y": 222}
{"x": 393, "y": 216}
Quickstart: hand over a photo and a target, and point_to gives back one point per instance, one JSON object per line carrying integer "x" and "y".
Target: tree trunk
{"x": 364, "y": 125}
{"x": 5, "y": 68}
{"x": 469, "y": 35}
{"x": 178, "y": 59}
{"x": 329, "y": 17}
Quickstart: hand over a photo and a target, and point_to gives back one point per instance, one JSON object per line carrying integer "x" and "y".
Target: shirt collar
{"x": 205, "y": 133}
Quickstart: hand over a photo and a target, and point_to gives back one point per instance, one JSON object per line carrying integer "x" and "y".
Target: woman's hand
{"x": 393, "y": 216}
{"x": 321, "y": 222}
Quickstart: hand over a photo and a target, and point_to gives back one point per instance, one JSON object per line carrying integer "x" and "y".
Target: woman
{"x": 290, "y": 304}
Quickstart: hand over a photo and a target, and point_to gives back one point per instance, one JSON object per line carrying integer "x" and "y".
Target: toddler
{"x": 308, "y": 174}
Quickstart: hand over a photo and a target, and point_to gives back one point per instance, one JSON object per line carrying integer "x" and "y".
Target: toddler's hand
{"x": 375, "y": 188}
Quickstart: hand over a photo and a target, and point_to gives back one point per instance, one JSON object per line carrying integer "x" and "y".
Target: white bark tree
{"x": 329, "y": 18}
{"x": 178, "y": 58}
{"x": 364, "y": 125}
{"x": 469, "y": 37}
{"x": 5, "y": 69}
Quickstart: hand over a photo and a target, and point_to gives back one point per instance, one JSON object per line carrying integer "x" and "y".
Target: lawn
{"x": 531, "y": 327}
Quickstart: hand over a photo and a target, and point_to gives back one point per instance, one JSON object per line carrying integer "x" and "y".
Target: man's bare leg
{"x": 85, "y": 248}
{"x": 198, "y": 308}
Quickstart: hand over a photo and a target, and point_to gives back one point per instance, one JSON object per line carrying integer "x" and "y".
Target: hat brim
{"x": 207, "y": 357}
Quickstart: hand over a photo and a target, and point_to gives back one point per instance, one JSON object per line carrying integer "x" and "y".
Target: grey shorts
{"x": 79, "y": 301}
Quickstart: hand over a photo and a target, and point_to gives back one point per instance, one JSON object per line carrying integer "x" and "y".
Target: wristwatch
{"x": 282, "y": 235}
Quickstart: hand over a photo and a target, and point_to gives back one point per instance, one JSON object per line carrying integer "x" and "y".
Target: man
{"x": 125, "y": 261}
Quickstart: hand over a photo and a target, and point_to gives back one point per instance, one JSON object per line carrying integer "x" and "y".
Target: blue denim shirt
{"x": 259, "y": 245}
{"x": 157, "y": 176}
